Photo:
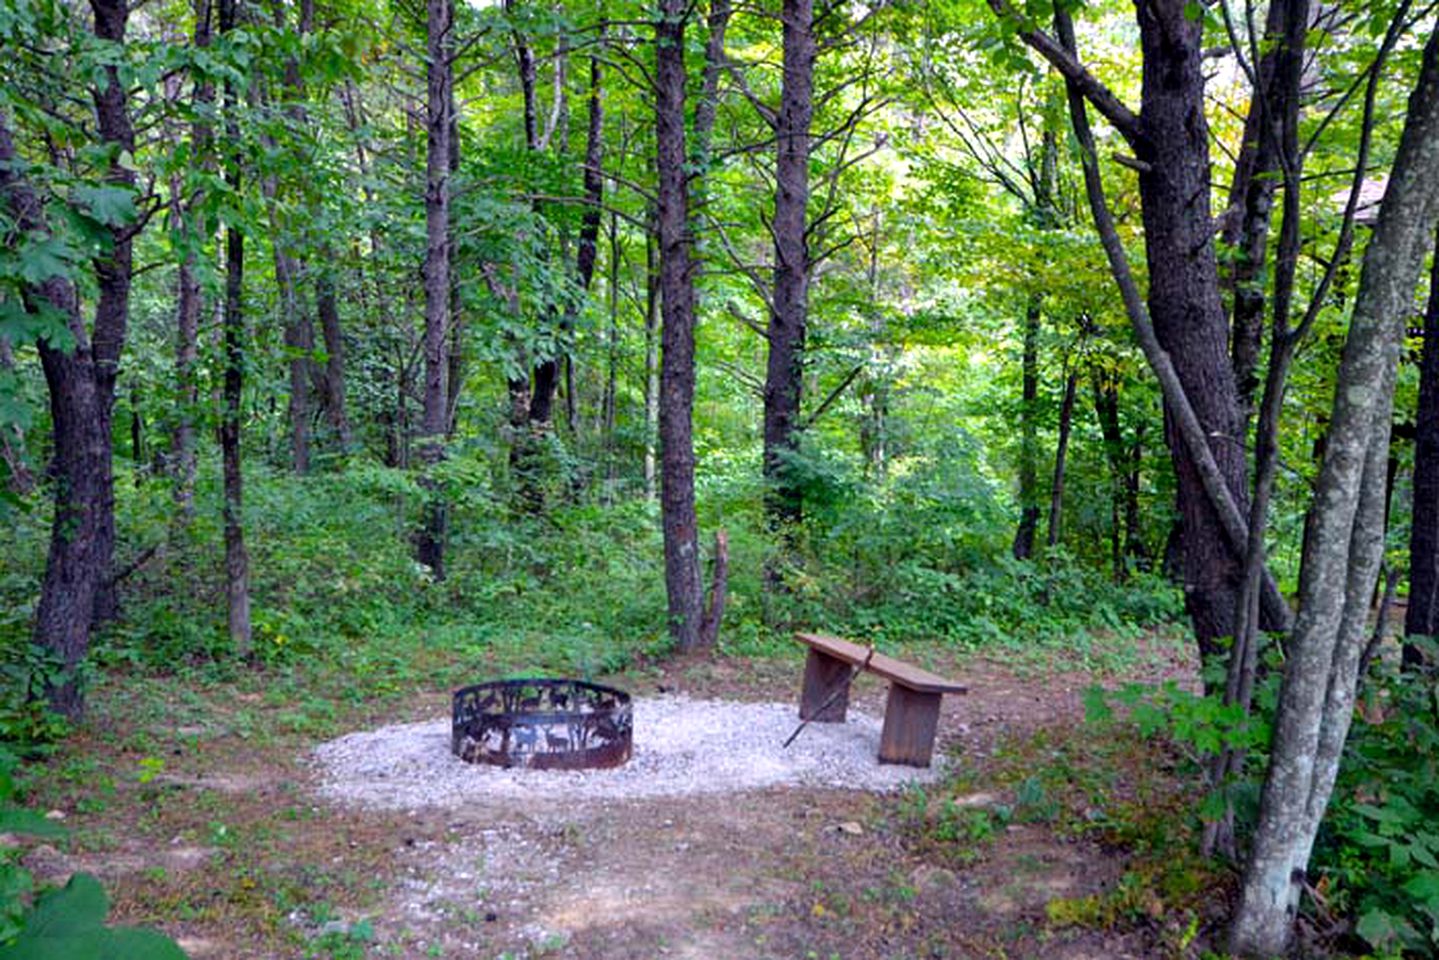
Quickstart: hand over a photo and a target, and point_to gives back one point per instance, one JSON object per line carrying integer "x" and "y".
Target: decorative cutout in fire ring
{"x": 543, "y": 724}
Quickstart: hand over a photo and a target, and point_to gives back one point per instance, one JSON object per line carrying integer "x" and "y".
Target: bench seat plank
{"x": 896, "y": 671}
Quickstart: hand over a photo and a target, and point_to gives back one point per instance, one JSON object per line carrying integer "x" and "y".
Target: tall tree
{"x": 677, "y": 332}
{"x": 237, "y": 558}
{"x": 789, "y": 301}
{"x": 190, "y": 297}
{"x": 439, "y": 25}
{"x": 81, "y": 379}
{"x": 1170, "y": 139}
{"x": 1345, "y": 541}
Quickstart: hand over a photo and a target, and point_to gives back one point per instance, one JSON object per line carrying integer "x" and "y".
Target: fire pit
{"x": 546, "y": 724}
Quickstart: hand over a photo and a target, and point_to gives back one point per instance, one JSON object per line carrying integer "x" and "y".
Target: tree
{"x": 439, "y": 26}
{"x": 80, "y": 367}
{"x": 677, "y": 333}
{"x": 1345, "y": 541}
{"x": 789, "y": 298}
{"x": 1170, "y": 139}
{"x": 237, "y": 557}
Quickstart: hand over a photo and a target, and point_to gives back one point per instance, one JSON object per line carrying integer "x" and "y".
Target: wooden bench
{"x": 911, "y": 716}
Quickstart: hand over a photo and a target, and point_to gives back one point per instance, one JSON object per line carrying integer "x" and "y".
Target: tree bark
{"x": 430, "y": 541}
{"x": 113, "y": 271}
{"x": 190, "y": 299}
{"x": 334, "y": 379}
{"x": 237, "y": 561}
{"x": 81, "y": 382}
{"x": 677, "y": 336}
{"x": 1061, "y": 456}
{"x": 1184, "y": 301}
{"x": 1345, "y": 543}
{"x": 81, "y": 464}
{"x": 1422, "y": 617}
{"x": 652, "y": 362}
{"x": 1029, "y": 435}
{"x": 784, "y": 373}
{"x": 1251, "y": 200}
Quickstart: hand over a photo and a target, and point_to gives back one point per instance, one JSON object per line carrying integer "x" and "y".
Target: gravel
{"x": 682, "y": 747}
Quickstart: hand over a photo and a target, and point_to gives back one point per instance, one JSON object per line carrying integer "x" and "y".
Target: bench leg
{"x": 824, "y": 677}
{"x": 910, "y": 721}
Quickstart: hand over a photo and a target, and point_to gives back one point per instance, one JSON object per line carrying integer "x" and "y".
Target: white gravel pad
{"x": 681, "y": 747}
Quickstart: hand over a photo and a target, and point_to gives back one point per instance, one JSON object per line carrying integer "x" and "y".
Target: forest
{"x": 1084, "y": 352}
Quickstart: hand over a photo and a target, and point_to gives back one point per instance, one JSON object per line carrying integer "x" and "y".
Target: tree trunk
{"x": 1029, "y": 436}
{"x": 677, "y": 335}
{"x": 455, "y": 362}
{"x": 784, "y": 374}
{"x": 112, "y": 274}
{"x": 1246, "y": 230}
{"x": 652, "y": 362}
{"x": 1422, "y": 617}
{"x": 299, "y": 349}
{"x": 81, "y": 383}
{"x": 1185, "y": 305}
{"x": 1345, "y": 543}
{"x": 334, "y": 379}
{"x": 430, "y": 541}
{"x": 1061, "y": 455}
{"x": 189, "y": 297}
{"x": 237, "y": 561}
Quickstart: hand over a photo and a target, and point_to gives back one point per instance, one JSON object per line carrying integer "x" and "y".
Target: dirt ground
{"x": 233, "y": 840}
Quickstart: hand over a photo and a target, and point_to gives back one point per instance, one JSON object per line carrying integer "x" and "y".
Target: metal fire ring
{"x": 545, "y": 724}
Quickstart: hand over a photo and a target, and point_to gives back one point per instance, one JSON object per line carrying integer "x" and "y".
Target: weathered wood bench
{"x": 911, "y": 716}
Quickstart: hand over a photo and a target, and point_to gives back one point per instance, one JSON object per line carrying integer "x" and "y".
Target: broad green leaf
{"x": 110, "y": 206}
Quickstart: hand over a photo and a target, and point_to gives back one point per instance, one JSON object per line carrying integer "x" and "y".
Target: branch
{"x": 1123, "y": 119}
{"x": 1191, "y": 431}
{"x": 833, "y": 396}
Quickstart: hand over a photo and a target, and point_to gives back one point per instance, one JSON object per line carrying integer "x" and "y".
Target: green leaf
{"x": 69, "y": 923}
{"x": 1379, "y": 929}
{"x": 110, "y": 206}
{"x": 43, "y": 256}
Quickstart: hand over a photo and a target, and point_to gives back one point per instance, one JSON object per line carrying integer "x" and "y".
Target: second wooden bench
{"x": 911, "y": 716}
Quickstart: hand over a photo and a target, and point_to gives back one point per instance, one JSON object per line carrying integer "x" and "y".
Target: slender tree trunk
{"x": 430, "y": 542}
{"x": 784, "y": 374}
{"x": 334, "y": 378}
{"x": 1061, "y": 456}
{"x": 455, "y": 372}
{"x": 1345, "y": 544}
{"x": 1029, "y": 435}
{"x": 190, "y": 299}
{"x": 189, "y": 304}
{"x": 1422, "y": 617}
{"x": 299, "y": 348}
{"x": 112, "y": 274}
{"x": 1246, "y": 230}
{"x": 677, "y": 335}
{"x": 652, "y": 363}
{"x": 237, "y": 561}
{"x": 610, "y": 402}
{"x": 1106, "y": 411}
